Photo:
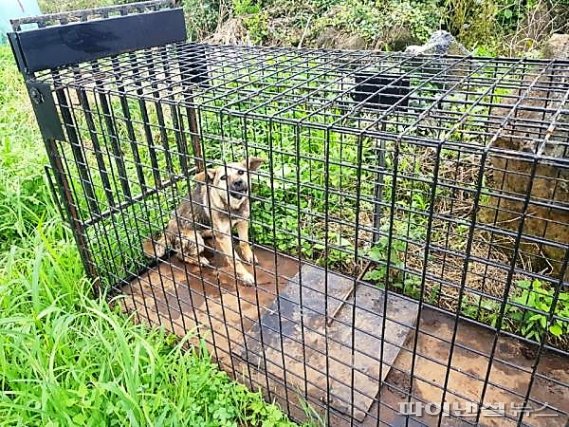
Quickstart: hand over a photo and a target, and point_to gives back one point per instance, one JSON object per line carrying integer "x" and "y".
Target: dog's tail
{"x": 155, "y": 247}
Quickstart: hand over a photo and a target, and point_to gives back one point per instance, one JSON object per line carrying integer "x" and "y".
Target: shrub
{"x": 390, "y": 25}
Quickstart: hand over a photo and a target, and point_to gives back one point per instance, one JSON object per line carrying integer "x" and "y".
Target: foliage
{"x": 530, "y": 311}
{"x": 257, "y": 25}
{"x": 385, "y": 248}
{"x": 483, "y": 25}
{"x": 50, "y": 6}
{"x": 245, "y": 7}
{"x": 472, "y": 21}
{"x": 384, "y": 24}
{"x": 66, "y": 358}
{"x": 22, "y": 205}
{"x": 255, "y": 20}
{"x": 85, "y": 362}
{"x": 202, "y": 17}
{"x": 291, "y": 207}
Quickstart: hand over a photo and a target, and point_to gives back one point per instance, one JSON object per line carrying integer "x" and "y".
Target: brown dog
{"x": 218, "y": 203}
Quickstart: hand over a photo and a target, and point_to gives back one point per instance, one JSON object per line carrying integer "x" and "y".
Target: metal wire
{"x": 436, "y": 187}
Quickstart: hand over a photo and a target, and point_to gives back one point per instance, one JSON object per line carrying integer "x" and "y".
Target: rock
{"x": 396, "y": 39}
{"x": 231, "y": 32}
{"x": 332, "y": 38}
{"x": 352, "y": 43}
{"x": 440, "y": 43}
{"x": 542, "y": 135}
{"x": 556, "y": 47}
{"x": 327, "y": 38}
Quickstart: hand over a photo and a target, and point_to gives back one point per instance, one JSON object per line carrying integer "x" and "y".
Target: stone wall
{"x": 529, "y": 146}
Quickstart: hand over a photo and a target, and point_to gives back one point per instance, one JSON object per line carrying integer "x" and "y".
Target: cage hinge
{"x": 45, "y": 110}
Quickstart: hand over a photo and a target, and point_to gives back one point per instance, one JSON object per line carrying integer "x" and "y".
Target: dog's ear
{"x": 253, "y": 163}
{"x": 203, "y": 176}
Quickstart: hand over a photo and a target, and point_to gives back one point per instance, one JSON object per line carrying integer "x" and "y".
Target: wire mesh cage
{"x": 402, "y": 221}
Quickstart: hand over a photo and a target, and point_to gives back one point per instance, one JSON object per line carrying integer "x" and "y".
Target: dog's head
{"x": 231, "y": 179}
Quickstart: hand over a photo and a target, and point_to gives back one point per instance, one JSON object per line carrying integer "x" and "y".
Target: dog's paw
{"x": 249, "y": 257}
{"x": 204, "y": 261}
{"x": 247, "y": 278}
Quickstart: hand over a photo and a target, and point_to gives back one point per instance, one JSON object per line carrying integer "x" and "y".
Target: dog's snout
{"x": 238, "y": 188}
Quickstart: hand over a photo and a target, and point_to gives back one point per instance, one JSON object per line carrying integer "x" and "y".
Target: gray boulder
{"x": 440, "y": 43}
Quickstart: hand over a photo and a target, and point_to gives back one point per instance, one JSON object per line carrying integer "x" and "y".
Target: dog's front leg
{"x": 243, "y": 233}
{"x": 223, "y": 239}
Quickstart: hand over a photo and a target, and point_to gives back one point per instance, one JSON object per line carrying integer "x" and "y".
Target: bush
{"x": 390, "y": 25}
{"x": 202, "y": 17}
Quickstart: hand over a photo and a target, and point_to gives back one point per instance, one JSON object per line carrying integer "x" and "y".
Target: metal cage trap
{"x": 407, "y": 213}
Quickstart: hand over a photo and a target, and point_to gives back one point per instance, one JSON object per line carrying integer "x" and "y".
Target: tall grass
{"x": 69, "y": 359}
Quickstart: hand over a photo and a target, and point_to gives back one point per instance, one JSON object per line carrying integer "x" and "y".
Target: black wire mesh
{"x": 410, "y": 219}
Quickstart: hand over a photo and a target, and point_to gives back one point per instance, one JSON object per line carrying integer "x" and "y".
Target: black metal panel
{"x": 49, "y": 48}
{"x": 14, "y": 44}
{"x": 45, "y": 110}
{"x": 84, "y": 15}
{"x": 193, "y": 66}
{"x": 379, "y": 90}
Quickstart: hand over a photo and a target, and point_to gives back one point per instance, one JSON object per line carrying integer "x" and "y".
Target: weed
{"x": 527, "y": 312}
{"x": 257, "y": 27}
{"x": 530, "y": 311}
{"x": 380, "y": 252}
{"x": 245, "y": 7}
{"x": 387, "y": 23}
{"x": 84, "y": 361}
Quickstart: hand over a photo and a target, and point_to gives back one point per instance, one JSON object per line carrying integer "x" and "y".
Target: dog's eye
{"x": 223, "y": 177}
{"x": 241, "y": 172}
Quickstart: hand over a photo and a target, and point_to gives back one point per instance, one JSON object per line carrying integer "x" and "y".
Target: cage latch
{"x": 45, "y": 110}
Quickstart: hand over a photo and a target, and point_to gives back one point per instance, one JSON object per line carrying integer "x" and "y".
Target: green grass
{"x": 65, "y": 357}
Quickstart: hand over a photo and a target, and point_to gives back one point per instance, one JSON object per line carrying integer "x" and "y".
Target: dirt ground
{"x": 509, "y": 376}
